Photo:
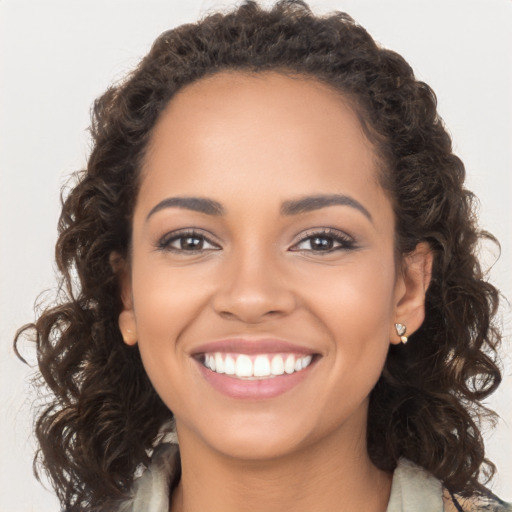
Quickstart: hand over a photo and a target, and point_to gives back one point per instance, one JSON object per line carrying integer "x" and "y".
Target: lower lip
{"x": 258, "y": 389}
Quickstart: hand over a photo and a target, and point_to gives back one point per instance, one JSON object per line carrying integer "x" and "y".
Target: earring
{"x": 127, "y": 327}
{"x": 129, "y": 337}
{"x": 401, "y": 330}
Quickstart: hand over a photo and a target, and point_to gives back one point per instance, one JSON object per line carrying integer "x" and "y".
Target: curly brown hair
{"x": 102, "y": 417}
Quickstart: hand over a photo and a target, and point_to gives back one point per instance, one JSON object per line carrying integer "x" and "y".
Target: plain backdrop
{"x": 57, "y": 56}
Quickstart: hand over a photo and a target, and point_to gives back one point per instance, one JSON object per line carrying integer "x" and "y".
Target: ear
{"x": 410, "y": 290}
{"x": 126, "y": 321}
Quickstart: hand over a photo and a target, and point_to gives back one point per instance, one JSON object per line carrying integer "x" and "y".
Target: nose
{"x": 253, "y": 289}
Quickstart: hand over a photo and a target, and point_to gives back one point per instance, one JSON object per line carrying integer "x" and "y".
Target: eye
{"x": 324, "y": 241}
{"x": 186, "y": 241}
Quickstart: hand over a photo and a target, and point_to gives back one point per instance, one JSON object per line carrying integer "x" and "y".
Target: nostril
{"x": 226, "y": 314}
{"x": 249, "y": 316}
{"x": 253, "y": 301}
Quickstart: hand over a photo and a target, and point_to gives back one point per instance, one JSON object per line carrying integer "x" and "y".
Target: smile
{"x": 255, "y": 366}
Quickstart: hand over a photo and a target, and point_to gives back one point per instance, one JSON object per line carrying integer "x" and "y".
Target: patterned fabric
{"x": 488, "y": 503}
{"x": 151, "y": 490}
{"x": 413, "y": 489}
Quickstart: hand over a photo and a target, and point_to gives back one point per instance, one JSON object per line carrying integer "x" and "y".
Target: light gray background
{"x": 57, "y": 56}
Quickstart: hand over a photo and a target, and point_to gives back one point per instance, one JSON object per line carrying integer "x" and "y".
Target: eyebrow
{"x": 310, "y": 203}
{"x": 292, "y": 207}
{"x": 196, "y": 204}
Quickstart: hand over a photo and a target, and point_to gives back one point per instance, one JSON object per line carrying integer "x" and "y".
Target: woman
{"x": 272, "y": 241}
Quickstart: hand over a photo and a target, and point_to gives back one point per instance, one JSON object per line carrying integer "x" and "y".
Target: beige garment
{"x": 413, "y": 489}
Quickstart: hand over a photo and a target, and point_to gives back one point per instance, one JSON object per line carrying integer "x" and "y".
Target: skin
{"x": 251, "y": 142}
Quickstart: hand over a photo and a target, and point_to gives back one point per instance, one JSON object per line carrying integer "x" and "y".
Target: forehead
{"x": 240, "y": 129}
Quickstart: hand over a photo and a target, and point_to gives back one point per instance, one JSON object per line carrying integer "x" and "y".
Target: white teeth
{"x": 219, "y": 363}
{"x": 261, "y": 366}
{"x": 264, "y": 365}
{"x": 289, "y": 365}
{"x": 277, "y": 366}
{"x": 243, "y": 366}
{"x": 229, "y": 365}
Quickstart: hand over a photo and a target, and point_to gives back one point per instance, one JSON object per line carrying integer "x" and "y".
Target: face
{"x": 262, "y": 288}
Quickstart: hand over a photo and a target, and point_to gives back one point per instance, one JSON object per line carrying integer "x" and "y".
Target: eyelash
{"x": 164, "y": 243}
{"x": 345, "y": 242}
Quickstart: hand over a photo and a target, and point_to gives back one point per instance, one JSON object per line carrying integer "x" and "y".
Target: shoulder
{"x": 150, "y": 491}
{"x": 487, "y": 503}
{"x": 414, "y": 488}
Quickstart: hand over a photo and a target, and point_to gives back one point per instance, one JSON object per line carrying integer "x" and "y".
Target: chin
{"x": 249, "y": 437}
{"x": 256, "y": 448}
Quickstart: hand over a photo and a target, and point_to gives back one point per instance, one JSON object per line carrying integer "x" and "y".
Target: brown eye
{"x": 186, "y": 242}
{"x": 324, "y": 241}
{"x": 321, "y": 243}
{"x": 190, "y": 243}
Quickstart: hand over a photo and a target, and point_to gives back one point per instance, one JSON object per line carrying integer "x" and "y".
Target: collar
{"x": 412, "y": 489}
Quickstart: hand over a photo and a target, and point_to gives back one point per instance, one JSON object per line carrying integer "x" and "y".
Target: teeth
{"x": 263, "y": 365}
{"x": 229, "y": 365}
{"x": 289, "y": 365}
{"x": 277, "y": 366}
{"x": 219, "y": 363}
{"x": 243, "y": 366}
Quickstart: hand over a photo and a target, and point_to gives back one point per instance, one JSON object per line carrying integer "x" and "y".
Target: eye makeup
{"x": 319, "y": 240}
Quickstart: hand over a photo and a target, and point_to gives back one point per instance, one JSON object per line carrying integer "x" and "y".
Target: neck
{"x": 334, "y": 475}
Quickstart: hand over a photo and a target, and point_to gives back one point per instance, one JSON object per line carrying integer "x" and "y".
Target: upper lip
{"x": 252, "y": 346}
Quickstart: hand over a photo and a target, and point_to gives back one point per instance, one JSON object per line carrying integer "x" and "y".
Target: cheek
{"x": 356, "y": 308}
{"x": 166, "y": 304}
{"x": 167, "y": 298}
{"x": 356, "y": 300}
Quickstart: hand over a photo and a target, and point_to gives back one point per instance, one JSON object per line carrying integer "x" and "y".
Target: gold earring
{"x": 401, "y": 329}
{"x": 127, "y": 327}
{"x": 129, "y": 337}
